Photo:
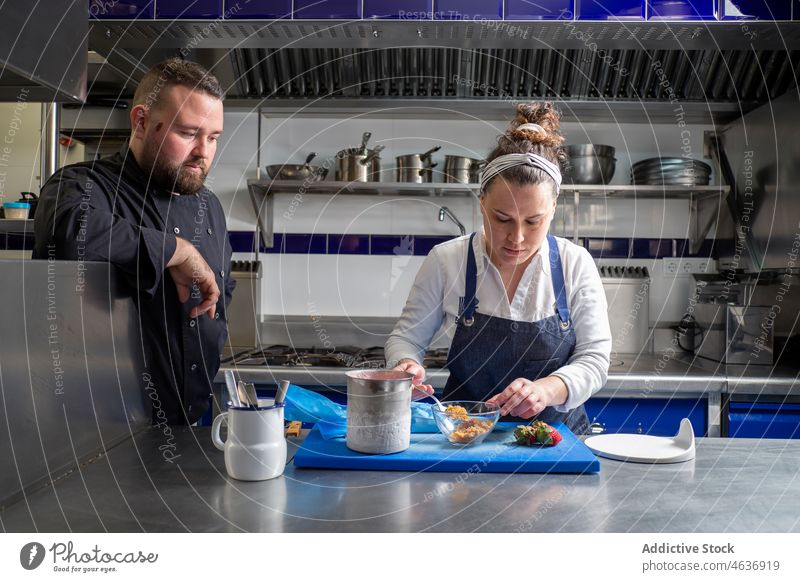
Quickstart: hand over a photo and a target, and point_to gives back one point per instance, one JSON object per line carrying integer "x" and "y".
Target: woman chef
{"x": 526, "y": 310}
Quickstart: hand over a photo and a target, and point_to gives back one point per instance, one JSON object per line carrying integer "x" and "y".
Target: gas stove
{"x": 282, "y": 356}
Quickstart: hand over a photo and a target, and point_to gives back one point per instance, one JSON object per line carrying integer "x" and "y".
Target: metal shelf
{"x": 364, "y": 188}
{"x": 442, "y": 189}
{"x": 641, "y": 191}
{"x": 14, "y": 225}
{"x": 700, "y": 197}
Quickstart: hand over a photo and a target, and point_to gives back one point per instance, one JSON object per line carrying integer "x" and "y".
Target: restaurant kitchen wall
{"x": 371, "y": 275}
{"x": 20, "y": 141}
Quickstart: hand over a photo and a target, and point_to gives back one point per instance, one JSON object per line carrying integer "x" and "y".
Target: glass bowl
{"x": 466, "y": 422}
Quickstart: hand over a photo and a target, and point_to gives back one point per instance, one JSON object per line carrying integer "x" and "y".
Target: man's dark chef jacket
{"x": 107, "y": 210}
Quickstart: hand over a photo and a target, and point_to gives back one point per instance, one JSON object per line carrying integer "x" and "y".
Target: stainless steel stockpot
{"x": 378, "y": 411}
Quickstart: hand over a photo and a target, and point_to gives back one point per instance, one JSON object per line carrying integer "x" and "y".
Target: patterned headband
{"x": 502, "y": 163}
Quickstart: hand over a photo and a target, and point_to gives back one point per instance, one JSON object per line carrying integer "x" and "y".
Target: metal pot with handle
{"x": 359, "y": 164}
{"x": 462, "y": 170}
{"x": 416, "y": 168}
{"x": 298, "y": 171}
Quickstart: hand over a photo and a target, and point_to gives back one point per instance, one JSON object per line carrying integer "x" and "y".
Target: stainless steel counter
{"x": 630, "y": 375}
{"x": 733, "y": 486}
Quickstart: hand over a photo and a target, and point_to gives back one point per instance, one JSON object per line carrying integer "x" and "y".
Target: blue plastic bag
{"x": 331, "y": 418}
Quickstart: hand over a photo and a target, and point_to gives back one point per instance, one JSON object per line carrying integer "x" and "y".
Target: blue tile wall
{"x": 449, "y": 9}
{"x": 540, "y": 10}
{"x": 423, "y": 244}
{"x": 420, "y": 245}
{"x": 655, "y": 248}
{"x": 707, "y": 249}
{"x": 608, "y": 248}
{"x": 403, "y": 9}
{"x": 611, "y": 9}
{"x": 312, "y": 244}
{"x": 258, "y": 9}
{"x": 242, "y": 241}
{"x": 128, "y": 9}
{"x": 336, "y": 9}
{"x": 468, "y": 9}
{"x": 391, "y": 245}
{"x": 348, "y": 244}
{"x": 755, "y": 9}
{"x": 189, "y": 9}
{"x": 681, "y": 10}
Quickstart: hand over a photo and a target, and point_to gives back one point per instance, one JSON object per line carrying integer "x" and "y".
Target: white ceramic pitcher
{"x": 255, "y": 449}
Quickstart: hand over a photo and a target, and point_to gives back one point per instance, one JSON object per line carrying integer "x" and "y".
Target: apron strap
{"x": 557, "y": 275}
{"x": 469, "y": 303}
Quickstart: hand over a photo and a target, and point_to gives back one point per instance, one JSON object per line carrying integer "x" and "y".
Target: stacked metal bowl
{"x": 589, "y": 164}
{"x": 670, "y": 172}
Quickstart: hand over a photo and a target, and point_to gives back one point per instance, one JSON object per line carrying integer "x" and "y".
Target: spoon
{"x": 448, "y": 422}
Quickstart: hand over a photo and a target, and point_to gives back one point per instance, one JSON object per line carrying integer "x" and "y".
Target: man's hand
{"x": 187, "y": 268}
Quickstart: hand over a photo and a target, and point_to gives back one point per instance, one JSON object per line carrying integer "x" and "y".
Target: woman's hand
{"x": 525, "y": 398}
{"x": 412, "y": 367}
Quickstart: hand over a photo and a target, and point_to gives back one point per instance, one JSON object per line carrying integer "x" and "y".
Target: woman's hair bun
{"x": 546, "y": 116}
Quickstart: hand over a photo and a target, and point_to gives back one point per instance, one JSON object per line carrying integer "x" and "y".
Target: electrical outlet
{"x": 671, "y": 266}
{"x": 685, "y": 266}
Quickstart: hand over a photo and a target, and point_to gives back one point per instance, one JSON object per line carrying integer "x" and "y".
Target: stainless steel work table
{"x": 734, "y": 485}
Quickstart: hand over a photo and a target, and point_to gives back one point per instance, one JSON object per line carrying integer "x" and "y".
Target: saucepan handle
{"x": 215, "y": 428}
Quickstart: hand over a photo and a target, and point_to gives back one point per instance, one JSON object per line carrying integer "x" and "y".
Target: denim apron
{"x": 488, "y": 352}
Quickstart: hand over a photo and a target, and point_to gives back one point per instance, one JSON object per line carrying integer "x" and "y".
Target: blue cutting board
{"x": 432, "y": 452}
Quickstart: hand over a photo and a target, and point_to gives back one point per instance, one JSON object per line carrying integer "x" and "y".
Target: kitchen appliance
{"x": 462, "y": 170}
{"x": 302, "y": 172}
{"x": 589, "y": 164}
{"x": 243, "y": 311}
{"x": 359, "y": 164}
{"x": 734, "y": 334}
{"x": 378, "y": 411}
{"x": 416, "y": 168}
{"x": 627, "y": 292}
{"x": 32, "y": 199}
{"x": 313, "y": 357}
{"x": 432, "y": 452}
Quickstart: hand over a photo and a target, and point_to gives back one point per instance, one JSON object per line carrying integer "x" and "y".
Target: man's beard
{"x": 174, "y": 178}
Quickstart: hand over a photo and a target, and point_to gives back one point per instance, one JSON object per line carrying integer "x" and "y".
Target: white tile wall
{"x": 377, "y": 286}
{"x": 351, "y": 286}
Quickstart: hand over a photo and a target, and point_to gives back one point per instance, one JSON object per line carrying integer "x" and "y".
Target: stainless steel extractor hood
{"x": 43, "y": 51}
{"x": 643, "y": 70}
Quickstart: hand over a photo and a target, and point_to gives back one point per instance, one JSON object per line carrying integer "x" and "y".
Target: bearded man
{"x": 146, "y": 211}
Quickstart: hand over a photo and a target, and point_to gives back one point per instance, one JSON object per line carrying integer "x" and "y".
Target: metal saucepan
{"x": 462, "y": 170}
{"x": 416, "y": 168}
{"x": 298, "y": 171}
{"x": 359, "y": 164}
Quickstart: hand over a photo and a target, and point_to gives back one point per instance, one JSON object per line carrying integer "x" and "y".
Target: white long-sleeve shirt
{"x": 433, "y": 302}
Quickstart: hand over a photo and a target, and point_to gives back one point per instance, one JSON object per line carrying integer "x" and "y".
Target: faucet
{"x": 445, "y": 211}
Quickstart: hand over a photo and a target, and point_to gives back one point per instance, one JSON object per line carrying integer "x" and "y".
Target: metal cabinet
{"x": 653, "y": 416}
{"x": 760, "y": 419}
